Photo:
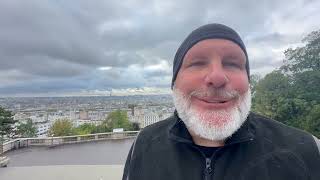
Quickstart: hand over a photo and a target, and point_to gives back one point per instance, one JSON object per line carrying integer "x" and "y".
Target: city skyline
{"x": 81, "y": 48}
{"x": 45, "y": 111}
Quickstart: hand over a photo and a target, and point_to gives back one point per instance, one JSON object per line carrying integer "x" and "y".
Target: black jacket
{"x": 261, "y": 149}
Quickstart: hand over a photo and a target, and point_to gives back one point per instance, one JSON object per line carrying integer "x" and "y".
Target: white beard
{"x": 212, "y": 124}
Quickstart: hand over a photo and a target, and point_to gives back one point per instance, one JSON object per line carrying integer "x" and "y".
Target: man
{"x": 212, "y": 134}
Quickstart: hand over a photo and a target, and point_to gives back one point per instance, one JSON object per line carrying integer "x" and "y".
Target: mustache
{"x": 218, "y": 93}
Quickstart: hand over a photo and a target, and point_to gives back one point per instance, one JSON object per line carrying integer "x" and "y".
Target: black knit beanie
{"x": 209, "y": 31}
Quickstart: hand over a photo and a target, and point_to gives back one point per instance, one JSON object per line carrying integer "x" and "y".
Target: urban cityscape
{"x": 44, "y": 111}
{"x": 50, "y": 156}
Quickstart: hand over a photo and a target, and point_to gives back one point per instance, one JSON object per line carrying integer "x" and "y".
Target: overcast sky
{"x": 81, "y": 47}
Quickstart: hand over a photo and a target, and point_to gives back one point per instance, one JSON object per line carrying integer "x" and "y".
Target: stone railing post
{"x": 1, "y": 144}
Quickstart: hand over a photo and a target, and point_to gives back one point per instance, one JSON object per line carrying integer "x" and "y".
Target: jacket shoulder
{"x": 279, "y": 135}
{"x": 273, "y": 127}
{"x": 280, "y": 139}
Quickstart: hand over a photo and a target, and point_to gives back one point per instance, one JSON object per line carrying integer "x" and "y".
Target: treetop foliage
{"x": 116, "y": 119}
{"x": 291, "y": 94}
{"x": 6, "y": 122}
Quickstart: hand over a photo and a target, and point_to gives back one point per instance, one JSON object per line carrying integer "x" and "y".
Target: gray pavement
{"x": 102, "y": 160}
{"x": 63, "y": 172}
{"x": 108, "y": 152}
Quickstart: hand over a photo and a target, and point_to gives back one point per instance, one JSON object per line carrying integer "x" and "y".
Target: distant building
{"x": 136, "y": 119}
{"x": 150, "y": 119}
{"x": 93, "y": 115}
{"x": 84, "y": 115}
{"x": 42, "y": 129}
{"x": 20, "y": 116}
{"x": 39, "y": 118}
{"x": 146, "y": 116}
{"x": 97, "y": 115}
{"x": 74, "y": 115}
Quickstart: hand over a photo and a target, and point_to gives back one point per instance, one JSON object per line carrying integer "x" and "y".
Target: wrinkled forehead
{"x": 221, "y": 47}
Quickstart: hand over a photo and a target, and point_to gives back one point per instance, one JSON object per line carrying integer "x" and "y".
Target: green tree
{"x": 118, "y": 119}
{"x": 61, "y": 127}
{"x": 312, "y": 122}
{"x": 6, "y": 125}
{"x": 306, "y": 85}
{"x": 6, "y": 122}
{"x": 85, "y": 129}
{"x": 27, "y": 129}
{"x": 271, "y": 92}
{"x": 305, "y": 58}
{"x": 291, "y": 94}
{"x": 102, "y": 128}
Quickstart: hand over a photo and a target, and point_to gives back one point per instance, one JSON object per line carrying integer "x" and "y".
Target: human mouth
{"x": 208, "y": 100}
{"x": 215, "y": 102}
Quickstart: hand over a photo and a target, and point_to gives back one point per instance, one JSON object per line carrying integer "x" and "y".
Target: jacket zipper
{"x": 209, "y": 165}
{"x": 208, "y": 169}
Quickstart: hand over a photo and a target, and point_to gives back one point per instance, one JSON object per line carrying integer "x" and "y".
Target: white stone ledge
{"x": 63, "y": 172}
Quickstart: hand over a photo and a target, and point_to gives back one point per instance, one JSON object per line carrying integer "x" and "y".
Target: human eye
{"x": 233, "y": 64}
{"x": 197, "y": 62}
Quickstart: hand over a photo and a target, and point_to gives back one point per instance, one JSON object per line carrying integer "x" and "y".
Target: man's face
{"x": 211, "y": 91}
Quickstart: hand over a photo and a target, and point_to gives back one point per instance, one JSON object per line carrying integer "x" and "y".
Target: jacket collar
{"x": 179, "y": 133}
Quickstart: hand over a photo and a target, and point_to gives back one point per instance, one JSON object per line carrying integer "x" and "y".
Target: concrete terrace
{"x": 99, "y": 160}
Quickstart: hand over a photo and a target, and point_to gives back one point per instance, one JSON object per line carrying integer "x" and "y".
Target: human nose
{"x": 215, "y": 76}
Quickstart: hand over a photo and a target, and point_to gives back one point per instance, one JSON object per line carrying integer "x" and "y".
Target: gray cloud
{"x": 57, "y": 46}
{"x": 266, "y": 62}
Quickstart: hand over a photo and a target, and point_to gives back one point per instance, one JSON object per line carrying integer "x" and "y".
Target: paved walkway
{"x": 102, "y": 160}
{"x": 109, "y": 152}
{"x": 63, "y": 172}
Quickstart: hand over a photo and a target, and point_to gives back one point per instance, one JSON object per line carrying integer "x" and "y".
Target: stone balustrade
{"x": 55, "y": 141}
